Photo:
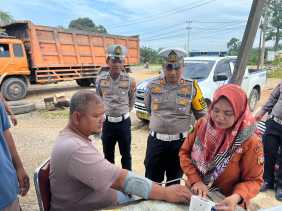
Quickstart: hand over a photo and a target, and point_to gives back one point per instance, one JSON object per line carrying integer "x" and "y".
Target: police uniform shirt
{"x": 171, "y": 106}
{"x": 274, "y": 102}
{"x": 117, "y": 94}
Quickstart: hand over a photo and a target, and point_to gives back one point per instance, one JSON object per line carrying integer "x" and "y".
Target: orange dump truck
{"x": 34, "y": 54}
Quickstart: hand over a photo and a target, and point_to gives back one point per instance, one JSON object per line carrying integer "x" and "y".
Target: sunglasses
{"x": 170, "y": 67}
{"x": 116, "y": 60}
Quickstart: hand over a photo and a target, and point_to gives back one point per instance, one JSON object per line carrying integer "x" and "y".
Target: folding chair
{"x": 42, "y": 185}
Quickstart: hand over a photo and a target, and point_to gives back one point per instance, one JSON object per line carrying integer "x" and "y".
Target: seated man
{"x": 82, "y": 179}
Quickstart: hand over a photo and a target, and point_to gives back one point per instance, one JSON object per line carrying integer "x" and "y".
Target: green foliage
{"x": 253, "y": 56}
{"x": 86, "y": 24}
{"x": 5, "y": 18}
{"x": 275, "y": 73}
{"x": 149, "y": 55}
{"x": 273, "y": 21}
{"x": 233, "y": 46}
{"x": 57, "y": 114}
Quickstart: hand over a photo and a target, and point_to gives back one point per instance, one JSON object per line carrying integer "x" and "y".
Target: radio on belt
{"x": 198, "y": 203}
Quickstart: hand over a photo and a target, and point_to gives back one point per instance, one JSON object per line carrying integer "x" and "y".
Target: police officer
{"x": 272, "y": 140}
{"x": 171, "y": 100}
{"x": 118, "y": 92}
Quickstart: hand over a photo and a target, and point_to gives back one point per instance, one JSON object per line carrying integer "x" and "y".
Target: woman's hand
{"x": 199, "y": 188}
{"x": 229, "y": 203}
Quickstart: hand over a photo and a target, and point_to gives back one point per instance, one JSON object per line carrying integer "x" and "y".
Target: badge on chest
{"x": 104, "y": 83}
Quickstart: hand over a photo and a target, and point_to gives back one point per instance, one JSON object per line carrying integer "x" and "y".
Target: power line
{"x": 217, "y": 27}
{"x": 233, "y": 21}
{"x": 174, "y": 33}
{"x": 173, "y": 30}
{"x": 167, "y": 13}
{"x": 169, "y": 36}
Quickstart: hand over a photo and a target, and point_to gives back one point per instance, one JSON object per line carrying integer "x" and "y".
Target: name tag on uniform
{"x": 155, "y": 105}
{"x": 182, "y": 101}
{"x": 185, "y": 90}
{"x": 123, "y": 84}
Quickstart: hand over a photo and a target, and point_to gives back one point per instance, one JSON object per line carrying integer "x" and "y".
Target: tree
{"x": 233, "y": 46}
{"x": 5, "y": 18}
{"x": 274, "y": 23}
{"x": 149, "y": 55}
{"x": 86, "y": 24}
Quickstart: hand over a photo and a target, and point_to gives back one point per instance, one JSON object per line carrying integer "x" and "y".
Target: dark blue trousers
{"x": 120, "y": 133}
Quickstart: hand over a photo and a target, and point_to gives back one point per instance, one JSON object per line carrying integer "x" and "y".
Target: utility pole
{"x": 261, "y": 54}
{"x": 188, "y": 28}
{"x": 248, "y": 40}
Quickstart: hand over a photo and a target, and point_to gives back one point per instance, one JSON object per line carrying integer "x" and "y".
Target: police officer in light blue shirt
{"x": 13, "y": 177}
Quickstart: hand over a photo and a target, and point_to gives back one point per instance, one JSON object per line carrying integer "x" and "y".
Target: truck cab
{"x": 13, "y": 68}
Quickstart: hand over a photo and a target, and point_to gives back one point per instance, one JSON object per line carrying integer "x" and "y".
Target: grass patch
{"x": 57, "y": 114}
{"x": 275, "y": 73}
{"x": 152, "y": 67}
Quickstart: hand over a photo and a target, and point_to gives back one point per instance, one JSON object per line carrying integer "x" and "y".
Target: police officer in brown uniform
{"x": 118, "y": 92}
{"x": 171, "y": 100}
{"x": 272, "y": 140}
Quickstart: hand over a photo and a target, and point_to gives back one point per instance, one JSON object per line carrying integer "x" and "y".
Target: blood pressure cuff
{"x": 137, "y": 185}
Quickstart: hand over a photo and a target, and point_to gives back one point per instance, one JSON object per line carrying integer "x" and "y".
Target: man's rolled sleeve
{"x": 4, "y": 117}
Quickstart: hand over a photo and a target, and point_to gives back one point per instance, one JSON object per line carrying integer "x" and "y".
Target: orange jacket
{"x": 243, "y": 175}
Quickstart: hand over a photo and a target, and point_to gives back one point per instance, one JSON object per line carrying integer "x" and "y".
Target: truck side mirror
{"x": 220, "y": 77}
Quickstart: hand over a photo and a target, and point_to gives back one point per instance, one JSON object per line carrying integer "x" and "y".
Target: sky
{"x": 197, "y": 25}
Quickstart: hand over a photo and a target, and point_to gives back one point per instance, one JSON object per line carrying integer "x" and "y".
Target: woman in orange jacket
{"x": 223, "y": 150}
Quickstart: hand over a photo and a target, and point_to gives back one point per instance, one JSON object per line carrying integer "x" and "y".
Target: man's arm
{"x": 268, "y": 106}
{"x": 131, "y": 93}
{"x": 9, "y": 111}
{"x": 173, "y": 193}
{"x": 147, "y": 99}
{"x": 21, "y": 173}
{"x": 98, "y": 87}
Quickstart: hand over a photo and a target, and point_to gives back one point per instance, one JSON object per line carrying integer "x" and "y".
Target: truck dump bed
{"x": 57, "y": 54}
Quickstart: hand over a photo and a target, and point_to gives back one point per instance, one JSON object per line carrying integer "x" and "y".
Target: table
{"x": 152, "y": 205}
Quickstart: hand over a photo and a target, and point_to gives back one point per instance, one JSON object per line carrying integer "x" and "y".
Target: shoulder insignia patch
{"x": 156, "y": 89}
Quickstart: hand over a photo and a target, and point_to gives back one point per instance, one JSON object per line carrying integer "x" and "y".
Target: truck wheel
{"x": 83, "y": 82}
{"x": 14, "y": 89}
{"x": 253, "y": 99}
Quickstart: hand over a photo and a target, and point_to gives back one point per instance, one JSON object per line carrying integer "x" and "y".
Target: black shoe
{"x": 278, "y": 194}
{"x": 266, "y": 186}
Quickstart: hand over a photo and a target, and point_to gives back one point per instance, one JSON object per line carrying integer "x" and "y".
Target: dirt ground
{"x": 36, "y": 132}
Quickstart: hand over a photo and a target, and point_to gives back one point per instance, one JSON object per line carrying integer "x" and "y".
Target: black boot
{"x": 278, "y": 194}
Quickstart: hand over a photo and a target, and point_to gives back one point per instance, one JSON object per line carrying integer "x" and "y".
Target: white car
{"x": 211, "y": 72}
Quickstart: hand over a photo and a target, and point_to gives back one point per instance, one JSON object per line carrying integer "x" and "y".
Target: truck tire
{"x": 83, "y": 82}
{"x": 21, "y": 107}
{"x": 14, "y": 89}
{"x": 253, "y": 99}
